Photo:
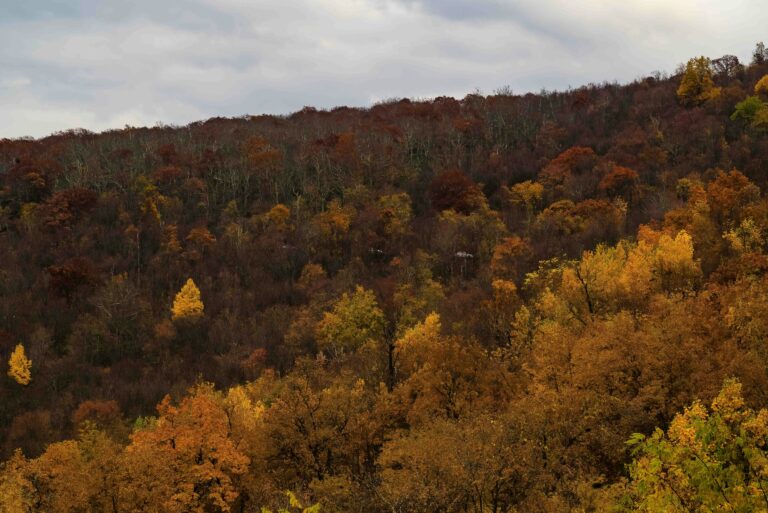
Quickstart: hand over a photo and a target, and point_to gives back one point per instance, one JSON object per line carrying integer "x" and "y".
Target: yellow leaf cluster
{"x": 417, "y": 343}
{"x": 696, "y": 85}
{"x": 745, "y": 238}
{"x": 762, "y": 85}
{"x": 187, "y": 304}
{"x": 675, "y": 263}
{"x": 354, "y": 320}
{"x": 19, "y": 366}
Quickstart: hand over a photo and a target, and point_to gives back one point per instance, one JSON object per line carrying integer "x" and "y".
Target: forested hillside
{"x": 539, "y": 303}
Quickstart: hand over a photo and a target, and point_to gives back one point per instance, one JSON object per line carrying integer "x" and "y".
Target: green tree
{"x": 708, "y": 460}
{"x": 748, "y": 109}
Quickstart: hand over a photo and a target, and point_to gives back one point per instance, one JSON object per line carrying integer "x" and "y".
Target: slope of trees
{"x": 451, "y": 306}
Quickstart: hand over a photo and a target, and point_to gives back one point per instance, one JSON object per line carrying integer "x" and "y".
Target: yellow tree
{"x": 697, "y": 85}
{"x": 709, "y": 459}
{"x": 528, "y": 195}
{"x": 73, "y": 475}
{"x": 187, "y": 305}
{"x": 354, "y": 320}
{"x": 674, "y": 263}
{"x": 762, "y": 85}
{"x": 16, "y": 489}
{"x": 445, "y": 376}
{"x": 19, "y": 366}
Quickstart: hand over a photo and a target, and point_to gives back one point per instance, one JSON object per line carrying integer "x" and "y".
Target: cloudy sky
{"x": 100, "y": 64}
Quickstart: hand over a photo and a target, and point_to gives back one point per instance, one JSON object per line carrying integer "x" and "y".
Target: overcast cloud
{"x": 100, "y": 64}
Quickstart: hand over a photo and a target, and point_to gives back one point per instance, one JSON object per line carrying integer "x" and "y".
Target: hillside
{"x": 445, "y": 305}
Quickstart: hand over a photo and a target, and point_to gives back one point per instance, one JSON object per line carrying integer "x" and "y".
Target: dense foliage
{"x": 449, "y": 305}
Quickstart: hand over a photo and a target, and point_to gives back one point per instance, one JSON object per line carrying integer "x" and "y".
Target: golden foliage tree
{"x": 762, "y": 85}
{"x": 708, "y": 460}
{"x": 19, "y": 366}
{"x": 354, "y": 320}
{"x": 449, "y": 465}
{"x": 527, "y": 196}
{"x": 675, "y": 265}
{"x": 187, "y": 304}
{"x": 185, "y": 460}
{"x": 16, "y": 489}
{"x": 696, "y": 85}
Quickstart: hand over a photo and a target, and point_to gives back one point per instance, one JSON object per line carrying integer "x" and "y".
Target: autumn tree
{"x": 697, "y": 86}
{"x": 477, "y": 464}
{"x": 77, "y": 474}
{"x": 675, "y": 264}
{"x": 17, "y": 492}
{"x": 442, "y": 375}
{"x": 354, "y": 320}
{"x": 527, "y": 196}
{"x": 728, "y": 195}
{"x": 327, "y": 233}
{"x": 184, "y": 460}
{"x": 19, "y": 366}
{"x": 395, "y": 215}
{"x": 320, "y": 431}
{"x": 455, "y": 190}
{"x": 264, "y": 160}
{"x": 709, "y": 459}
{"x": 464, "y": 243}
{"x": 187, "y": 304}
{"x": 620, "y": 181}
{"x": 761, "y": 87}
{"x": 569, "y": 174}
{"x": 509, "y": 257}
{"x": 417, "y": 294}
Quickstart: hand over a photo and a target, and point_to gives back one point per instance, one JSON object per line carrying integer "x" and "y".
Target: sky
{"x": 104, "y": 64}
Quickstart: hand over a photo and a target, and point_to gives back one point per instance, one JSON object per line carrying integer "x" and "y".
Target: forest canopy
{"x": 543, "y": 302}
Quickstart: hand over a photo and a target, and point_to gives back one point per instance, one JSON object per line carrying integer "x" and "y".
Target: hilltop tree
{"x": 748, "y": 109}
{"x": 760, "y": 54}
{"x": 727, "y": 66}
{"x": 697, "y": 85}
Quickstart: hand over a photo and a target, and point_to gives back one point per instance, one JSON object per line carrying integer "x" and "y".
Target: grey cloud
{"x": 463, "y": 9}
{"x": 101, "y": 63}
